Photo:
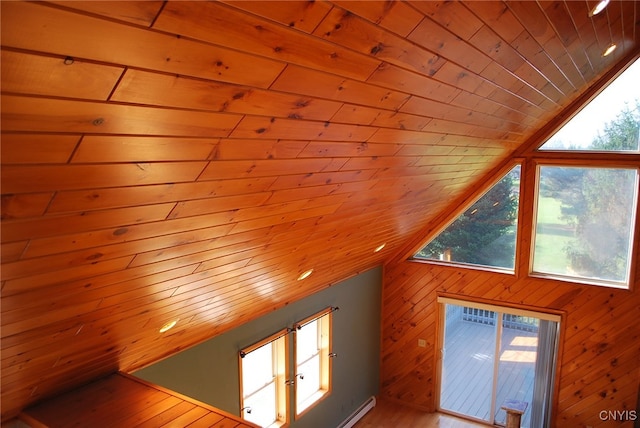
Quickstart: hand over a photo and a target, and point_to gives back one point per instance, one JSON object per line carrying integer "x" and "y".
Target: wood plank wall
{"x": 188, "y": 160}
{"x": 599, "y": 360}
{"x": 123, "y": 401}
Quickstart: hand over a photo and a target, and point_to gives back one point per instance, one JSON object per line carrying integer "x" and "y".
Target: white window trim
{"x": 281, "y": 362}
{"x": 325, "y": 353}
{"x": 496, "y": 308}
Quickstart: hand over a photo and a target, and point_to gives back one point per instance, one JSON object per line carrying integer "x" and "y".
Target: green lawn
{"x": 549, "y": 210}
{"x": 552, "y": 236}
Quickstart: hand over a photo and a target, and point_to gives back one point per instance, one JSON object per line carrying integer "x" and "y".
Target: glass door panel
{"x": 516, "y": 364}
{"x": 468, "y": 361}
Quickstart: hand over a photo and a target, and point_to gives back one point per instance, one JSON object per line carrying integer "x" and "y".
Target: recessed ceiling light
{"x": 305, "y": 274}
{"x": 168, "y": 326}
{"x": 612, "y": 47}
{"x": 599, "y": 7}
{"x": 379, "y": 247}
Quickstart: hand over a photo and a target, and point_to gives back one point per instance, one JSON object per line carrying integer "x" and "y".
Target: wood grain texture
{"x": 190, "y": 159}
{"x": 599, "y": 351}
{"x": 599, "y": 336}
{"x": 138, "y": 403}
{"x": 390, "y": 414}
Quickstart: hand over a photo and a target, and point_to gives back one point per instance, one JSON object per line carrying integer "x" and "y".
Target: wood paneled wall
{"x": 599, "y": 359}
{"x": 188, "y": 160}
{"x": 123, "y": 401}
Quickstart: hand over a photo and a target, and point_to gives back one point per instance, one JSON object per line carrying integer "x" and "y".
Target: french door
{"x": 491, "y": 354}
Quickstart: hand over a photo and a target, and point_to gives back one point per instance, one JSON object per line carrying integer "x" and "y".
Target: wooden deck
{"x": 466, "y": 377}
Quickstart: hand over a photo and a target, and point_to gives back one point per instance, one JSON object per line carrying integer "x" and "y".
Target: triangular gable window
{"x": 608, "y": 123}
{"x": 485, "y": 233}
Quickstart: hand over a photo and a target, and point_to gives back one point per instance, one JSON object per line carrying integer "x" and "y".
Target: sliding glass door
{"x": 491, "y": 354}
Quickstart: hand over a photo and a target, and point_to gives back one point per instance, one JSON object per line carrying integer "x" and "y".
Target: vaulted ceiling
{"x": 189, "y": 160}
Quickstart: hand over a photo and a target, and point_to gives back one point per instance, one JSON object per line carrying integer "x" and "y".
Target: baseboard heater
{"x": 359, "y": 413}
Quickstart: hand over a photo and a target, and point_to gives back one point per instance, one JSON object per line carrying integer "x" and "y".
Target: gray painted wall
{"x": 209, "y": 372}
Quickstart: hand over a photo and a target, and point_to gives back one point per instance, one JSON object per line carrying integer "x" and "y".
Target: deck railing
{"x": 483, "y": 316}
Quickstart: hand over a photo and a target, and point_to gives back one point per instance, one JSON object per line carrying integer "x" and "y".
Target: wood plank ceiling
{"x": 189, "y": 160}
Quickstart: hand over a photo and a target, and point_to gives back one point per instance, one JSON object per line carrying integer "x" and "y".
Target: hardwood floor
{"x": 387, "y": 414}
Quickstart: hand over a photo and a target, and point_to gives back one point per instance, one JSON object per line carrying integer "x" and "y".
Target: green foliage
{"x": 602, "y": 221}
{"x": 622, "y": 133}
{"x": 596, "y": 202}
{"x": 485, "y": 233}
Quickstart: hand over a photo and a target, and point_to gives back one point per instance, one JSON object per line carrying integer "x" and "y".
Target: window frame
{"x": 529, "y": 155}
{"x": 325, "y": 352}
{"x": 592, "y": 96}
{"x": 280, "y": 348}
{"x": 469, "y": 201}
{"x": 593, "y": 160}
